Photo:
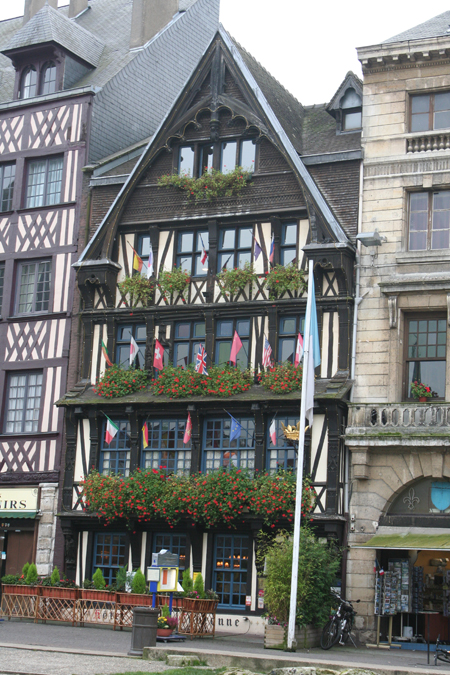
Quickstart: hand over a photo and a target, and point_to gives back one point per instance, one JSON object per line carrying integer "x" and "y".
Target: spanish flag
{"x": 106, "y": 355}
{"x": 145, "y": 436}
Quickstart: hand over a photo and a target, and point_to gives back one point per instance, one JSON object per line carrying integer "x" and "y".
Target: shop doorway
{"x": 19, "y": 550}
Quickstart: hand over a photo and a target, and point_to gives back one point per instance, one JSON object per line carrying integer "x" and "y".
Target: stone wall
{"x": 47, "y": 528}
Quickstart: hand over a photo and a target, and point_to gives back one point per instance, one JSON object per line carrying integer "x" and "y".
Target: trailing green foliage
{"x": 285, "y": 278}
{"x": 138, "y": 288}
{"x": 221, "y": 381}
{"x": 211, "y": 185}
{"x": 174, "y": 281}
{"x": 235, "y": 279}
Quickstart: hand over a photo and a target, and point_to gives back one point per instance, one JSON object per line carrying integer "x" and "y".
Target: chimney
{"x": 32, "y": 7}
{"x": 149, "y": 17}
{"x": 77, "y": 6}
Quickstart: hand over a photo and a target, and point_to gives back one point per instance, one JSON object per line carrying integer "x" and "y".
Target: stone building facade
{"x": 399, "y": 446}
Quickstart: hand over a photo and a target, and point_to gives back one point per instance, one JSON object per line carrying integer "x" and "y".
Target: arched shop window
{"x": 430, "y": 496}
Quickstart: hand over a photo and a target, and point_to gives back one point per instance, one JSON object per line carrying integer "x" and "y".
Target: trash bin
{"x": 143, "y": 633}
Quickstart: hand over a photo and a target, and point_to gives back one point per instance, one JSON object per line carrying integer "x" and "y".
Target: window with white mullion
{"x": 44, "y": 182}
{"x": 23, "y": 403}
{"x": 55, "y": 167}
{"x": 36, "y": 184}
{"x": 34, "y": 287}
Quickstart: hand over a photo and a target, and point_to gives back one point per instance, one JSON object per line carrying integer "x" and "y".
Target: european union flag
{"x": 235, "y": 430}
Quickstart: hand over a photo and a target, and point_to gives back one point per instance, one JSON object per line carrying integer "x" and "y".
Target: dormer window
{"x": 28, "y": 84}
{"x": 197, "y": 159}
{"x": 351, "y": 111}
{"x": 48, "y": 78}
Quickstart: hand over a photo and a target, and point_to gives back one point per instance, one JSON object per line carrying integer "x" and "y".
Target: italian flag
{"x": 145, "y": 435}
{"x": 106, "y": 355}
{"x": 111, "y": 430}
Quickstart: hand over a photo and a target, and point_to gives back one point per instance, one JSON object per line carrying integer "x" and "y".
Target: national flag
{"x": 111, "y": 430}
{"x": 298, "y": 351}
{"x": 137, "y": 261}
{"x": 203, "y": 257}
{"x": 314, "y": 350}
{"x": 133, "y": 350}
{"x": 272, "y": 250}
{"x": 267, "y": 353}
{"x": 188, "y": 430}
{"x": 257, "y": 250}
{"x": 200, "y": 365}
{"x": 150, "y": 262}
{"x": 145, "y": 436}
{"x": 236, "y": 345}
{"x": 158, "y": 357}
{"x": 235, "y": 429}
{"x": 273, "y": 432}
{"x": 106, "y": 355}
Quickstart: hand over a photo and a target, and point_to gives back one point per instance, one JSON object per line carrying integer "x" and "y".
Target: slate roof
{"x": 319, "y": 133}
{"x": 50, "y": 25}
{"x": 438, "y": 26}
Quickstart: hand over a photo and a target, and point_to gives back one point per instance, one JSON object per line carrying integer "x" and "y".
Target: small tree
{"x": 318, "y": 565}
{"x": 32, "y": 575}
{"x": 121, "y": 578}
{"x": 99, "y": 580}
{"x": 165, "y": 611}
{"x": 199, "y": 585}
{"x": 187, "y": 582}
{"x": 25, "y": 569}
{"x": 138, "y": 584}
{"x": 55, "y": 578}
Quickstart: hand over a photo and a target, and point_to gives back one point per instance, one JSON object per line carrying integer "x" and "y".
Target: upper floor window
{"x": 225, "y": 329}
{"x": 23, "y": 402}
{"x": 7, "y": 175}
{"x": 28, "y": 83}
{"x": 430, "y": 111}
{"x": 288, "y": 250}
{"x": 198, "y": 158}
{"x": 34, "y": 286}
{"x": 235, "y": 247}
{"x": 219, "y": 451}
{"x": 48, "y": 78}
{"x": 281, "y": 455}
{"x": 189, "y": 252}
{"x": 143, "y": 248}
{"x": 44, "y": 182}
{"x": 429, "y": 220}
{"x": 351, "y": 111}
{"x": 115, "y": 456}
{"x": 426, "y": 345}
{"x": 186, "y": 160}
{"x": 189, "y": 335}
{"x": 166, "y": 449}
{"x": 123, "y": 345}
{"x": 175, "y": 543}
{"x": 109, "y": 554}
{"x": 290, "y": 327}
{"x": 2, "y": 281}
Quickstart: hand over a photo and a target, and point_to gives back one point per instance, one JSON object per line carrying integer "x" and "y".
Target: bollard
{"x": 143, "y": 633}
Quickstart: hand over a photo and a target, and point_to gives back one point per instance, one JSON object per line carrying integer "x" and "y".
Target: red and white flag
{"x": 298, "y": 351}
{"x": 273, "y": 432}
{"x": 188, "y": 430}
{"x": 158, "y": 357}
{"x": 204, "y": 256}
{"x": 133, "y": 350}
{"x": 235, "y": 347}
{"x": 111, "y": 430}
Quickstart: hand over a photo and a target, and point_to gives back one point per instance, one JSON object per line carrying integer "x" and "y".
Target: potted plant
{"x": 281, "y": 279}
{"x": 174, "y": 281}
{"x": 421, "y": 391}
{"x": 282, "y": 378}
{"x": 211, "y": 185}
{"x": 138, "y": 289}
{"x": 96, "y": 589}
{"x": 166, "y": 625}
{"x": 233, "y": 280}
{"x": 55, "y": 587}
{"x": 117, "y": 381}
{"x": 138, "y": 595}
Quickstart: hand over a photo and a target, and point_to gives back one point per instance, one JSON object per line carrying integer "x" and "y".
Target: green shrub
{"x": 10, "y": 579}
{"x": 55, "y": 578}
{"x": 98, "y": 579}
{"x": 25, "y": 569}
{"x": 199, "y": 585}
{"x": 165, "y": 611}
{"x": 32, "y": 575}
{"x": 138, "y": 584}
{"x": 121, "y": 578}
{"x": 318, "y": 565}
{"x": 187, "y": 582}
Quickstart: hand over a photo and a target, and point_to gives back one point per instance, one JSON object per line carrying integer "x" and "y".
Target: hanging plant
{"x": 138, "y": 288}
{"x": 221, "y": 381}
{"x": 117, "y": 381}
{"x": 174, "y": 281}
{"x": 233, "y": 280}
{"x": 282, "y": 378}
{"x": 281, "y": 279}
{"x": 210, "y": 185}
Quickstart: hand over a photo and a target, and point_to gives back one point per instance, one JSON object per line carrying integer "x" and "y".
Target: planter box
{"x": 17, "y": 589}
{"x": 275, "y": 637}
{"x": 178, "y": 603}
{"x": 94, "y": 594}
{"x": 55, "y": 592}
{"x": 135, "y": 599}
{"x": 191, "y": 604}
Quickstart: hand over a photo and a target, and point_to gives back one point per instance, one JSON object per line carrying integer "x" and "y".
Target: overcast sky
{"x": 308, "y": 46}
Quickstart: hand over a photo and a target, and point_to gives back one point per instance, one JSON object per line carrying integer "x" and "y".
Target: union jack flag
{"x": 200, "y": 365}
{"x": 267, "y": 353}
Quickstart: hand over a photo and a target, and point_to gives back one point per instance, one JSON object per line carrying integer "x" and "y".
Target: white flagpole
{"x": 291, "y": 643}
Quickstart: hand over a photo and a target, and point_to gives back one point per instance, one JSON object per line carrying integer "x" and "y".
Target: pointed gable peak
{"x": 350, "y": 81}
{"x": 50, "y": 25}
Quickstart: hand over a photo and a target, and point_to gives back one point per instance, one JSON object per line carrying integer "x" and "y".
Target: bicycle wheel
{"x": 442, "y": 655}
{"x": 330, "y": 634}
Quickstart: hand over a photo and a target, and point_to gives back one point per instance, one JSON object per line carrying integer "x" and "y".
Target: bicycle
{"x": 338, "y": 628}
{"x": 441, "y": 654}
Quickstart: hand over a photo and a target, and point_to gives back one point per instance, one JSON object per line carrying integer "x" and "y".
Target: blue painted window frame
{"x": 239, "y": 452}
{"x": 115, "y": 457}
{"x": 238, "y": 544}
{"x": 115, "y": 560}
{"x": 170, "y": 453}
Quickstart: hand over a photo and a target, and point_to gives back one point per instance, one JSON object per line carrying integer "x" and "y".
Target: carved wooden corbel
{"x": 392, "y": 304}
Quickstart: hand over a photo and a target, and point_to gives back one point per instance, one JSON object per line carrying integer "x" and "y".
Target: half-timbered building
{"x": 303, "y": 197}
{"x": 64, "y": 73}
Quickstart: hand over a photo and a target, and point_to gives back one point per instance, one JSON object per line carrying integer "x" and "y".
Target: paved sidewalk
{"x": 60, "y": 649}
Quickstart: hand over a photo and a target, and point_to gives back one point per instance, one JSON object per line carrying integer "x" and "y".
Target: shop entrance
{"x": 19, "y": 550}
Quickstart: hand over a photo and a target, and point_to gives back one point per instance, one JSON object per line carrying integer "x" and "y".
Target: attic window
{"x": 28, "y": 83}
{"x": 48, "y": 78}
{"x": 351, "y": 107}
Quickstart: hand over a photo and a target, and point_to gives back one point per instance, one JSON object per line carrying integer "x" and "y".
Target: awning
{"x": 13, "y": 515}
{"x": 414, "y": 538}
